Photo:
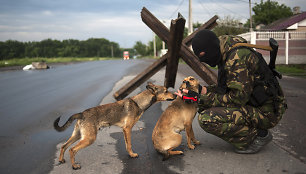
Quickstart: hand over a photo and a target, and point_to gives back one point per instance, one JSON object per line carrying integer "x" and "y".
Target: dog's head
{"x": 191, "y": 83}
{"x": 161, "y": 93}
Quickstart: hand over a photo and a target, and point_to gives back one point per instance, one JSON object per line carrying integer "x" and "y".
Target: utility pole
{"x": 190, "y": 27}
{"x": 112, "y": 50}
{"x": 251, "y": 21}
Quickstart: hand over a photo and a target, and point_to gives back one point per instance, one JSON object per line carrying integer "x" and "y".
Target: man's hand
{"x": 188, "y": 96}
{"x": 179, "y": 92}
{"x": 204, "y": 90}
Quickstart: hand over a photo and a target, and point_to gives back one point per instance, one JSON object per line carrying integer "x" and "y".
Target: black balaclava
{"x": 207, "y": 41}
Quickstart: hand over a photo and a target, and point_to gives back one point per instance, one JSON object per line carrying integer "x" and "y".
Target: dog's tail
{"x": 68, "y": 123}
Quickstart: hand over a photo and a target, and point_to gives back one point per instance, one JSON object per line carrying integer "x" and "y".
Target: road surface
{"x": 32, "y": 100}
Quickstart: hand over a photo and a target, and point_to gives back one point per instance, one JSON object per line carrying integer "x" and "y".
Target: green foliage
{"x": 140, "y": 48}
{"x": 93, "y": 47}
{"x": 247, "y": 24}
{"x": 229, "y": 26}
{"x": 11, "y": 49}
{"x": 270, "y": 11}
{"x": 292, "y": 70}
{"x": 159, "y": 46}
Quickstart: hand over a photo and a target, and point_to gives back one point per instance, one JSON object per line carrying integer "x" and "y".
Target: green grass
{"x": 27, "y": 61}
{"x": 292, "y": 70}
{"x": 289, "y": 70}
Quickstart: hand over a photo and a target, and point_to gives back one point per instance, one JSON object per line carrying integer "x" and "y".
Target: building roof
{"x": 283, "y": 24}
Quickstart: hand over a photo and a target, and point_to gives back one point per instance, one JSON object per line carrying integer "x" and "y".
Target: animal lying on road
{"x": 124, "y": 113}
{"x": 177, "y": 117}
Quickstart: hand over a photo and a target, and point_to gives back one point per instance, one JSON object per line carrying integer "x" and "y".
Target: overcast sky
{"x": 116, "y": 20}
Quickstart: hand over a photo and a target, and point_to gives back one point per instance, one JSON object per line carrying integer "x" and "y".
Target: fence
{"x": 291, "y": 44}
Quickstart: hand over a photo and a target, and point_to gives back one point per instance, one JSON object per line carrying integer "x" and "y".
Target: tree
{"x": 70, "y": 48}
{"x": 270, "y": 11}
{"x": 115, "y": 49}
{"x": 93, "y": 47}
{"x": 229, "y": 26}
{"x": 159, "y": 46}
{"x": 11, "y": 49}
{"x": 140, "y": 48}
{"x": 49, "y": 48}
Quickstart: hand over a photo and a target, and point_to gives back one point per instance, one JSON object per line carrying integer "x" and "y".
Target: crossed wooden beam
{"x": 176, "y": 48}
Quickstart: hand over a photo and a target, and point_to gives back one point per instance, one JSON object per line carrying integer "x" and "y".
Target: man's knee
{"x": 209, "y": 122}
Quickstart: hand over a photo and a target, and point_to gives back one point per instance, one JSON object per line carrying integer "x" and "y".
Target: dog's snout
{"x": 171, "y": 99}
{"x": 187, "y": 83}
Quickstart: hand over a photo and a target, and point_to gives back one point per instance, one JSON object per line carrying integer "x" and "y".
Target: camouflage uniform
{"x": 228, "y": 115}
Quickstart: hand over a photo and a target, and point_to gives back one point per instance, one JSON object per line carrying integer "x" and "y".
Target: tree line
{"x": 93, "y": 47}
{"x": 264, "y": 13}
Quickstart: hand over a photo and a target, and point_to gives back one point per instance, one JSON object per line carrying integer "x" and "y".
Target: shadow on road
{"x": 149, "y": 160}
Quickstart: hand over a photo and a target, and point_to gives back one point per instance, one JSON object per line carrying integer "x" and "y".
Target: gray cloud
{"x": 115, "y": 20}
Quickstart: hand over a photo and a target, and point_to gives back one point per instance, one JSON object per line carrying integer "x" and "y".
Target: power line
{"x": 219, "y": 5}
{"x": 206, "y": 9}
{"x": 245, "y": 1}
{"x": 179, "y": 6}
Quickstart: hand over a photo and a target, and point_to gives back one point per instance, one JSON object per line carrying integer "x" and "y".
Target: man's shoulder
{"x": 240, "y": 56}
{"x": 228, "y": 41}
{"x": 231, "y": 39}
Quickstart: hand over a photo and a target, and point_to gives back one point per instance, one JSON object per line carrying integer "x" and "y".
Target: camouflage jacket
{"x": 240, "y": 67}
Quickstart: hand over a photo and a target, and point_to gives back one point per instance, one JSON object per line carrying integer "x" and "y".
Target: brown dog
{"x": 124, "y": 113}
{"x": 177, "y": 117}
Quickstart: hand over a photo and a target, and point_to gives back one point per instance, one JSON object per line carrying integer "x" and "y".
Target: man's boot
{"x": 257, "y": 145}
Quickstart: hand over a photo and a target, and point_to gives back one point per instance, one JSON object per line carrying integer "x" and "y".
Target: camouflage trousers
{"x": 237, "y": 126}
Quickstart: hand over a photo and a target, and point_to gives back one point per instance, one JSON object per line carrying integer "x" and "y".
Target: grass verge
{"x": 292, "y": 70}
{"x": 27, "y": 61}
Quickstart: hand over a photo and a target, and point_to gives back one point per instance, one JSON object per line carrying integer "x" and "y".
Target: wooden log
{"x": 141, "y": 78}
{"x": 155, "y": 25}
{"x": 187, "y": 55}
{"x": 163, "y": 32}
{"x": 175, "y": 42}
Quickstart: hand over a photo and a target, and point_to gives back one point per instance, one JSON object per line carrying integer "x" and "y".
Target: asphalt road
{"x": 30, "y": 101}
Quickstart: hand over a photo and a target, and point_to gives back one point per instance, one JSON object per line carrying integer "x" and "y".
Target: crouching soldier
{"x": 246, "y": 102}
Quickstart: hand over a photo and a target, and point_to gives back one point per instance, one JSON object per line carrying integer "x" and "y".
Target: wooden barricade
{"x": 176, "y": 48}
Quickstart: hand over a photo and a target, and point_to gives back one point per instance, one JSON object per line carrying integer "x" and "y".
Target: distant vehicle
{"x": 126, "y": 55}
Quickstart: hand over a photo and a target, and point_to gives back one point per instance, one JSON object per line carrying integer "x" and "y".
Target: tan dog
{"x": 177, "y": 117}
{"x": 124, "y": 113}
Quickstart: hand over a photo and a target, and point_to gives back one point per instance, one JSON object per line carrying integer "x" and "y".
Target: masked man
{"x": 246, "y": 102}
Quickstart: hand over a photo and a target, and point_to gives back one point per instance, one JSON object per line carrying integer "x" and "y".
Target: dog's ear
{"x": 150, "y": 86}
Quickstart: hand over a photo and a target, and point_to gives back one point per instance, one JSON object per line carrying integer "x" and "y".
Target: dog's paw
{"x": 197, "y": 142}
{"x": 133, "y": 155}
{"x": 191, "y": 147}
{"x": 61, "y": 161}
{"x": 76, "y": 166}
